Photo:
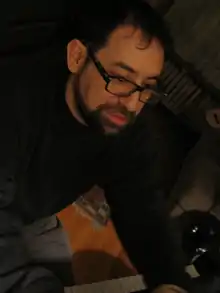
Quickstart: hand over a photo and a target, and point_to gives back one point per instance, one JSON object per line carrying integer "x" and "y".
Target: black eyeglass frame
{"x": 156, "y": 89}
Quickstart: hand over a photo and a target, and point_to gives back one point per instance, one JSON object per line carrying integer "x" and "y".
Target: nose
{"x": 131, "y": 102}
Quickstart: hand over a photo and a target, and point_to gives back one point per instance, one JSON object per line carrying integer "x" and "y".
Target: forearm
{"x": 148, "y": 235}
{"x": 17, "y": 274}
{"x": 142, "y": 221}
{"x": 152, "y": 249}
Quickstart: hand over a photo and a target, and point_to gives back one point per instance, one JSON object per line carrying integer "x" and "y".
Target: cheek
{"x": 97, "y": 95}
{"x": 93, "y": 90}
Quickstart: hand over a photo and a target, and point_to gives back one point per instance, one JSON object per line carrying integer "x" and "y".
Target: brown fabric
{"x": 169, "y": 289}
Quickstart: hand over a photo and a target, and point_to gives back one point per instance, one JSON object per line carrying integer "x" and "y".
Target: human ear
{"x": 76, "y": 55}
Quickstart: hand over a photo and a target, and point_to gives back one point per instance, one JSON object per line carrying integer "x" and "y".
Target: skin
{"x": 128, "y": 54}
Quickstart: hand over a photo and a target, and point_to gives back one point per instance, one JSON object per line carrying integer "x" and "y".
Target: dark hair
{"x": 95, "y": 20}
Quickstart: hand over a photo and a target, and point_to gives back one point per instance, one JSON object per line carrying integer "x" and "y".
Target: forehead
{"x": 128, "y": 44}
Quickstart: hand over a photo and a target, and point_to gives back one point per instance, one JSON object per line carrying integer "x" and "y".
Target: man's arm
{"x": 141, "y": 220}
{"x": 17, "y": 274}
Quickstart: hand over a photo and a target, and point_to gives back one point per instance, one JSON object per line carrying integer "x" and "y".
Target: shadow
{"x": 62, "y": 270}
{"x": 89, "y": 267}
{"x": 96, "y": 266}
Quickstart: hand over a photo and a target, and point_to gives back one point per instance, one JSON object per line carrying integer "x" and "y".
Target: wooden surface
{"x": 97, "y": 253}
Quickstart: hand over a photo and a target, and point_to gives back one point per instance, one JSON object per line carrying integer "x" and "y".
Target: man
{"x": 69, "y": 123}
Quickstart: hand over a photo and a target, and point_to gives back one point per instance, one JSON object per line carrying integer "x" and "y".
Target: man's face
{"x": 130, "y": 57}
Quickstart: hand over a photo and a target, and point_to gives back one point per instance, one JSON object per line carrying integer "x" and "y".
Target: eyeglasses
{"x": 121, "y": 87}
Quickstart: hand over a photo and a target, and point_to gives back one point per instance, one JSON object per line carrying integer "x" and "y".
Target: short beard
{"x": 83, "y": 110}
{"x": 93, "y": 118}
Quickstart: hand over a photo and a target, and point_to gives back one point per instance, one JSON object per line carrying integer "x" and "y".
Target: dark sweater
{"x": 48, "y": 159}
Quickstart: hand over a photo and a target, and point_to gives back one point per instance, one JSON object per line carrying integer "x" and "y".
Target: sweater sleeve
{"x": 141, "y": 219}
{"x": 17, "y": 274}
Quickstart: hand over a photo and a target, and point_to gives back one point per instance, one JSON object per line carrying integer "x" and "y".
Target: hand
{"x": 169, "y": 289}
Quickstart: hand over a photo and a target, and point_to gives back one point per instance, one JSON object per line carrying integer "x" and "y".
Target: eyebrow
{"x": 125, "y": 67}
{"x": 131, "y": 70}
